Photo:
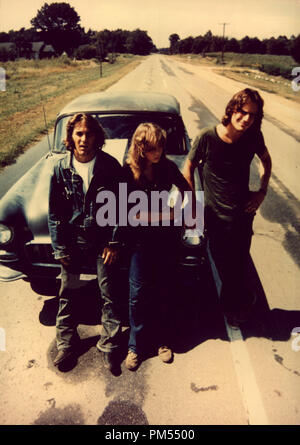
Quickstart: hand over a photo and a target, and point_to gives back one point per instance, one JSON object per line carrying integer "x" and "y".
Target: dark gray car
{"x": 25, "y": 246}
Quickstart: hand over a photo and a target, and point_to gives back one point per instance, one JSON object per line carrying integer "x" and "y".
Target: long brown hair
{"x": 92, "y": 124}
{"x": 236, "y": 103}
{"x": 146, "y": 136}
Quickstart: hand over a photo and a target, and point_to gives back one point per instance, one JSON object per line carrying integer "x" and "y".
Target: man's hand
{"x": 109, "y": 255}
{"x": 254, "y": 202}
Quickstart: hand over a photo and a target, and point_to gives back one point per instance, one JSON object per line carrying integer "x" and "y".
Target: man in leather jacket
{"x": 78, "y": 241}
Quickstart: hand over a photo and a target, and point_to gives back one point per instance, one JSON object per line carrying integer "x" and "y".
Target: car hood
{"x": 26, "y": 203}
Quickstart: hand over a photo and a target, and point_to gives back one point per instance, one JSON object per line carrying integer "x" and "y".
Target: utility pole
{"x": 224, "y": 25}
{"x": 100, "y": 52}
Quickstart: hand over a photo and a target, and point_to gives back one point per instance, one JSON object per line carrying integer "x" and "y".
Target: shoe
{"x": 108, "y": 360}
{"x": 233, "y": 321}
{"x": 132, "y": 361}
{"x": 165, "y": 354}
{"x": 63, "y": 357}
{"x": 236, "y": 320}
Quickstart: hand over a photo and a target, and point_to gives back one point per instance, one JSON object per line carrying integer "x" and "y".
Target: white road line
{"x": 248, "y": 386}
{"x": 250, "y": 393}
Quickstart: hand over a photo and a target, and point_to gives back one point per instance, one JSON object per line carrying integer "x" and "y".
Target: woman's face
{"x": 153, "y": 154}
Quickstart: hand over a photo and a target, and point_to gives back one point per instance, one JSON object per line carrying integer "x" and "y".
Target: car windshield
{"x": 122, "y": 126}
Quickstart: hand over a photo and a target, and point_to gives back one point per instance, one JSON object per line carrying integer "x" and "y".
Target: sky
{"x": 161, "y": 18}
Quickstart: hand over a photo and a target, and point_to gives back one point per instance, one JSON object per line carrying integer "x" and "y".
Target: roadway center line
{"x": 250, "y": 393}
{"x": 247, "y": 382}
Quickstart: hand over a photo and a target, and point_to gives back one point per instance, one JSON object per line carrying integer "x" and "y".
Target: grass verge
{"x": 33, "y": 87}
{"x": 249, "y": 69}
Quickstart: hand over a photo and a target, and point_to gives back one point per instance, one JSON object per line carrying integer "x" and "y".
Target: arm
{"x": 188, "y": 172}
{"x": 110, "y": 253}
{"x": 57, "y": 220}
{"x": 195, "y": 156}
{"x": 257, "y": 197}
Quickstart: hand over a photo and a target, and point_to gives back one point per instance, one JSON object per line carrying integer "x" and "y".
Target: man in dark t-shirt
{"x": 225, "y": 153}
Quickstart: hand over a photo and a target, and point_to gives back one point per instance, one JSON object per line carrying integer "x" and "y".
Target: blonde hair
{"x": 146, "y": 136}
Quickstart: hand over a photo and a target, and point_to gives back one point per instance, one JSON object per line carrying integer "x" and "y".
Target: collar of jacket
{"x": 67, "y": 162}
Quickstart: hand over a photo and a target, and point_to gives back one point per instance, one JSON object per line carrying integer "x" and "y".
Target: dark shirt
{"x": 165, "y": 175}
{"x": 225, "y": 170}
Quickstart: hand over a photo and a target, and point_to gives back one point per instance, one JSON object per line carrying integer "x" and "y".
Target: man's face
{"x": 84, "y": 142}
{"x": 242, "y": 119}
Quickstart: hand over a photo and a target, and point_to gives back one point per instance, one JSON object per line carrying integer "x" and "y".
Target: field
{"x": 39, "y": 88}
{"x": 267, "y": 72}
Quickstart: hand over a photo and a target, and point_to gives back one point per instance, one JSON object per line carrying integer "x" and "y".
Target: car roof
{"x": 113, "y": 102}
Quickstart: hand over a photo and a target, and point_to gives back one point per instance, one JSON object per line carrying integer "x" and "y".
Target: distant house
{"x": 38, "y": 50}
{"x": 8, "y": 46}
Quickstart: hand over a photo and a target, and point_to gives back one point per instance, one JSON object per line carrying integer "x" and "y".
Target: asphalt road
{"x": 219, "y": 376}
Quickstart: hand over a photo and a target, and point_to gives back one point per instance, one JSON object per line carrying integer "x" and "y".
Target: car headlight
{"x": 6, "y": 234}
{"x": 191, "y": 238}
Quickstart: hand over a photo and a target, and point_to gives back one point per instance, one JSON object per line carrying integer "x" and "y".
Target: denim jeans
{"x": 230, "y": 244}
{"x": 72, "y": 296}
{"x": 151, "y": 282}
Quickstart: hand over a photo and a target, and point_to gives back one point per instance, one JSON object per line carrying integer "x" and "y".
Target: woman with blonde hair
{"x": 154, "y": 240}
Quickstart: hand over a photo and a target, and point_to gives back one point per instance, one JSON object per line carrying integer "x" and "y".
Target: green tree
{"x": 4, "y": 37}
{"x": 232, "y": 45}
{"x": 279, "y": 46}
{"x": 174, "y": 39}
{"x": 198, "y": 45}
{"x": 58, "y": 24}
{"x": 86, "y": 52}
{"x": 23, "y": 43}
{"x": 8, "y": 54}
{"x": 295, "y": 49}
{"x": 103, "y": 39}
{"x": 185, "y": 46}
{"x": 138, "y": 42}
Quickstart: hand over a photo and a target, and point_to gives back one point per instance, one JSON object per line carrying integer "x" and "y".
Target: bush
{"x": 86, "y": 52}
{"x": 64, "y": 59}
{"x": 275, "y": 69}
{"x": 6, "y": 55}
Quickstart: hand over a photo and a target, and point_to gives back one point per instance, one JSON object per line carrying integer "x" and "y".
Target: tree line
{"x": 210, "y": 43}
{"x": 57, "y": 25}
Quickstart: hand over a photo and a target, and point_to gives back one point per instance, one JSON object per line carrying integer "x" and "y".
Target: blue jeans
{"x": 72, "y": 295}
{"x": 152, "y": 282}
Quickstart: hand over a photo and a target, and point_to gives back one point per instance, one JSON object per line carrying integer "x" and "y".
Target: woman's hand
{"x": 109, "y": 255}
